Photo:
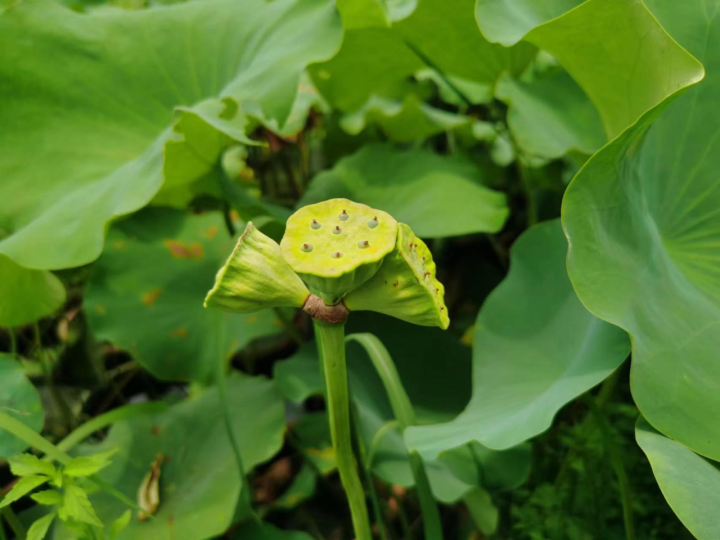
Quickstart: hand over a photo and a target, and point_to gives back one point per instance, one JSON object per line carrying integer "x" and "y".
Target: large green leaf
{"x": 550, "y": 116}
{"x": 27, "y": 295}
{"x": 437, "y": 196}
{"x": 146, "y": 294}
{"x": 19, "y": 399}
{"x": 615, "y": 50}
{"x": 88, "y": 105}
{"x": 535, "y": 349}
{"x": 643, "y": 222}
{"x": 199, "y": 482}
{"x": 440, "y": 35}
{"x": 690, "y": 483}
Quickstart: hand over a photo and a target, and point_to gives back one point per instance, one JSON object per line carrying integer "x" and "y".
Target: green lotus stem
{"x": 618, "y": 465}
{"x": 405, "y": 416}
{"x": 331, "y": 349}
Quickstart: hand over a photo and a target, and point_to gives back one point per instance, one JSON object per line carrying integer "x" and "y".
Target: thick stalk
{"x": 331, "y": 348}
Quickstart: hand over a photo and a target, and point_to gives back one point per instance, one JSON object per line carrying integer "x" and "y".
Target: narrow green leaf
{"x": 39, "y": 529}
{"x": 120, "y": 524}
{"x": 28, "y": 464}
{"x": 48, "y": 497}
{"x": 77, "y": 506}
{"x": 89, "y": 465}
{"x": 23, "y": 486}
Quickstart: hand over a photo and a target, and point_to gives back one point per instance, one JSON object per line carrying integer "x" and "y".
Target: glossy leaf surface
{"x": 535, "y": 349}
{"x": 605, "y": 45}
{"x": 642, "y": 220}
{"x": 102, "y": 150}
{"x": 690, "y": 483}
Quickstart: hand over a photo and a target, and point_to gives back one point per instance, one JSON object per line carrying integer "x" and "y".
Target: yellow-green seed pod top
{"x": 256, "y": 277}
{"x": 405, "y": 286}
{"x": 337, "y": 245}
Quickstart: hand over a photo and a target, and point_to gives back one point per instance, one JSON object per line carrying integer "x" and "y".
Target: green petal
{"x": 256, "y": 277}
{"x": 405, "y": 286}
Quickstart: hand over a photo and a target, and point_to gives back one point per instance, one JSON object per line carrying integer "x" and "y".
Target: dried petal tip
{"x": 315, "y": 224}
{"x": 307, "y": 248}
{"x": 337, "y": 229}
{"x": 343, "y": 216}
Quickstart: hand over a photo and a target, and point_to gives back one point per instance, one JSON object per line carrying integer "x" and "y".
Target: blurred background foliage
{"x": 140, "y": 136}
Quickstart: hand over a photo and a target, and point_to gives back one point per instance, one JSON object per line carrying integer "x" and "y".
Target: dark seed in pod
{"x": 343, "y": 216}
{"x": 337, "y": 229}
{"x": 307, "y": 248}
{"x": 315, "y": 224}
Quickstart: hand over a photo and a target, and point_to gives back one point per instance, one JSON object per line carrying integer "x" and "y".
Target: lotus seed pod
{"x": 405, "y": 286}
{"x": 349, "y": 241}
{"x": 256, "y": 277}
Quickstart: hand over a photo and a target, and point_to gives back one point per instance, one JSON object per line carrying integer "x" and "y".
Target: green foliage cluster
{"x": 557, "y": 162}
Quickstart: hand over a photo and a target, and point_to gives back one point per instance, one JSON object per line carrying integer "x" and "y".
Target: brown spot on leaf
{"x": 180, "y": 332}
{"x": 155, "y": 430}
{"x": 182, "y": 251}
{"x": 149, "y": 297}
{"x": 211, "y": 232}
{"x": 100, "y": 309}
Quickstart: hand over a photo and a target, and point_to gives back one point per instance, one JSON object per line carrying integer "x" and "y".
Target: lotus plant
{"x": 336, "y": 257}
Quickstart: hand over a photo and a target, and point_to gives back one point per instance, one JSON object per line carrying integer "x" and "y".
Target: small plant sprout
{"x": 363, "y": 260}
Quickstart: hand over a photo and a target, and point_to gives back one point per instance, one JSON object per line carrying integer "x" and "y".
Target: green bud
{"x": 349, "y": 241}
{"x": 405, "y": 286}
{"x": 256, "y": 277}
